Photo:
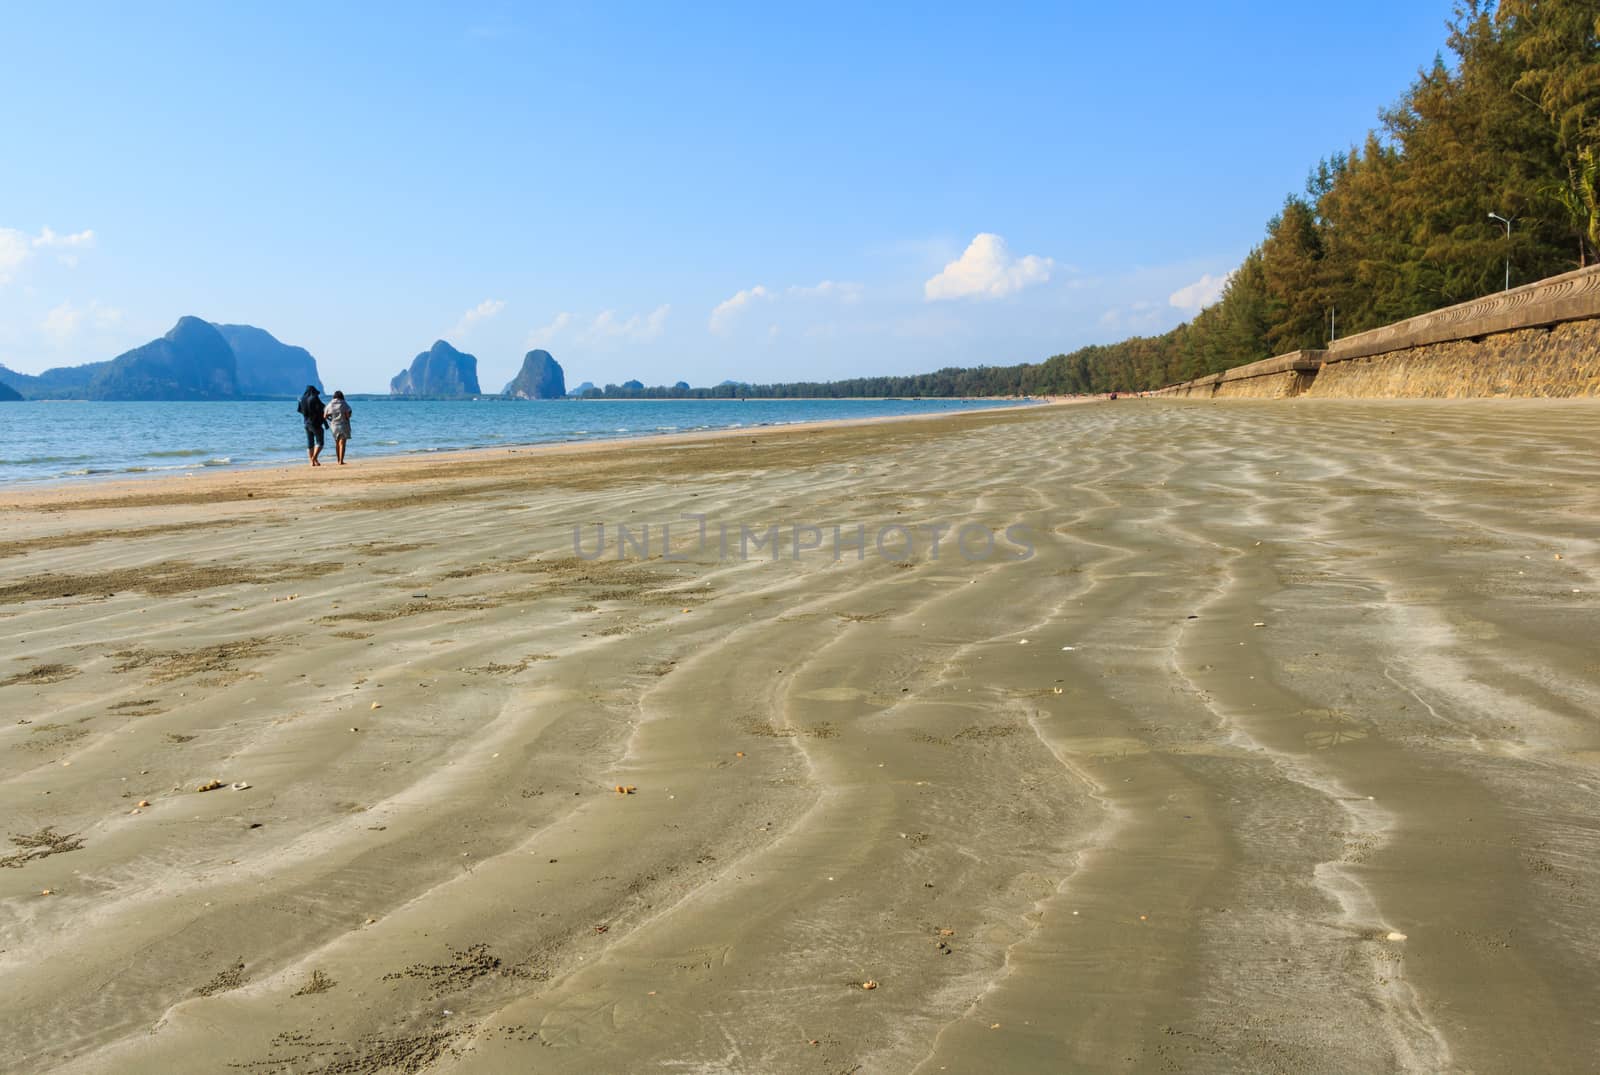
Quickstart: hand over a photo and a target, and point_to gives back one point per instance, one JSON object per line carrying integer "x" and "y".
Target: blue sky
{"x": 755, "y": 191}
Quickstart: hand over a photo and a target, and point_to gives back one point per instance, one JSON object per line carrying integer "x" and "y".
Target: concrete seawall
{"x": 1539, "y": 340}
{"x": 1562, "y": 361}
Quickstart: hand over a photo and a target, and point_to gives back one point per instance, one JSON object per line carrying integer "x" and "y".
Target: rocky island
{"x": 439, "y": 371}
{"x": 540, "y": 378}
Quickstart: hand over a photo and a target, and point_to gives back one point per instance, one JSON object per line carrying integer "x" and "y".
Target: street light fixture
{"x": 1507, "y": 223}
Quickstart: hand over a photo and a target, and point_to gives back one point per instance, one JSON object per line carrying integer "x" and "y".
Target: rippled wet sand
{"x": 1279, "y": 753}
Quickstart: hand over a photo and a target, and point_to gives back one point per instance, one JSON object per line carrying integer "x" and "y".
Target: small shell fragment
{"x": 869, "y": 984}
{"x": 1396, "y": 936}
{"x": 210, "y": 785}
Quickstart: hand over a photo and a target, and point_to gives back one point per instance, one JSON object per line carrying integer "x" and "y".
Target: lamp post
{"x": 1507, "y": 223}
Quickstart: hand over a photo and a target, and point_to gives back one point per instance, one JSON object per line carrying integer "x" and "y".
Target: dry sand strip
{"x": 1267, "y": 740}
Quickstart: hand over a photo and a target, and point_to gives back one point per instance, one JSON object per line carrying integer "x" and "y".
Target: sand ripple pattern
{"x": 1279, "y": 754}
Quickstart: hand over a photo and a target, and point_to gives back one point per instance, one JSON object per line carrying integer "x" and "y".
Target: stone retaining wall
{"x": 1274, "y": 386}
{"x": 1541, "y": 339}
{"x": 1557, "y": 362}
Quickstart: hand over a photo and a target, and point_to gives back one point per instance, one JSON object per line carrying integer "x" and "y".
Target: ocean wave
{"x": 176, "y": 453}
{"x": 41, "y": 460}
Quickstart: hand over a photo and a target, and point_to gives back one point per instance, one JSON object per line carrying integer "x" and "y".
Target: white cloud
{"x": 986, "y": 269}
{"x": 63, "y": 322}
{"x": 543, "y": 335}
{"x": 608, "y": 325}
{"x": 829, "y": 289}
{"x": 481, "y": 312}
{"x": 722, "y": 317}
{"x": 48, "y": 238}
{"x": 1136, "y": 317}
{"x": 605, "y": 325}
{"x": 14, "y": 250}
{"x": 1203, "y": 292}
{"x": 16, "y": 247}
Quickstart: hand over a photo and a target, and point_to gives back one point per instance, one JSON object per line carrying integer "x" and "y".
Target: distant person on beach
{"x": 338, "y": 415}
{"x": 311, "y": 409}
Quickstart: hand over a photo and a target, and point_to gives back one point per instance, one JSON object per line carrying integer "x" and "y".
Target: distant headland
{"x": 196, "y": 360}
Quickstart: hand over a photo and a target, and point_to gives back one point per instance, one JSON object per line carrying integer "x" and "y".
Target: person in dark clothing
{"x": 311, "y": 409}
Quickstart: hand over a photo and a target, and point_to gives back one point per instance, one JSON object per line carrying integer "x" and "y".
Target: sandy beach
{"x": 1217, "y": 737}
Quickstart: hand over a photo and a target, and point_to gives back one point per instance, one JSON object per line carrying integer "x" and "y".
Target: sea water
{"x": 60, "y": 441}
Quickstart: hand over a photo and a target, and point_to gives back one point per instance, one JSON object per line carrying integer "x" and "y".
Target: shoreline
{"x": 386, "y": 465}
{"x": 97, "y": 480}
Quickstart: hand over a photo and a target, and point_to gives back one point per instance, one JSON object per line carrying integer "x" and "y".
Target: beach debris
{"x": 1144, "y": 918}
{"x": 994, "y": 1026}
{"x": 242, "y": 785}
{"x": 377, "y": 705}
{"x": 354, "y": 729}
{"x": 209, "y": 785}
{"x": 1022, "y": 641}
{"x": 318, "y": 983}
{"x": 946, "y": 932}
{"x": 738, "y": 753}
{"x": 47, "y": 892}
{"x": 1395, "y": 936}
{"x": 626, "y": 789}
{"x": 601, "y": 928}
{"x": 135, "y": 811}
{"x": 144, "y": 802}
{"x": 1258, "y": 623}
{"x": 1056, "y": 690}
{"x": 869, "y": 984}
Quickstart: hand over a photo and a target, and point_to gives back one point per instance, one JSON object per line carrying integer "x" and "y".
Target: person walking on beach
{"x": 338, "y": 415}
{"x": 311, "y": 409}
